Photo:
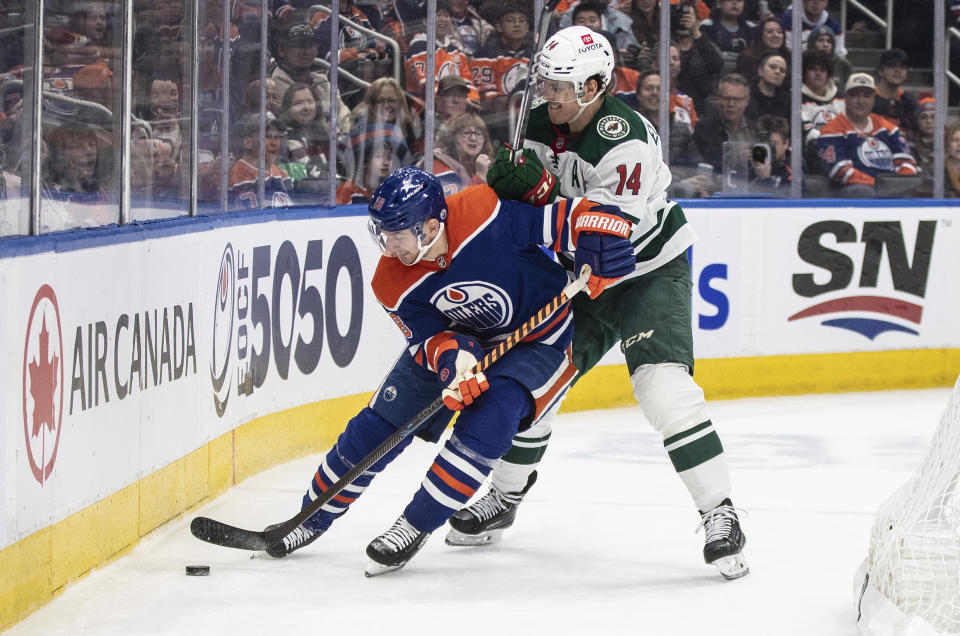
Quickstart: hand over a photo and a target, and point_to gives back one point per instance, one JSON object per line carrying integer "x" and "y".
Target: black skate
{"x": 392, "y": 549}
{"x": 484, "y": 521}
{"x": 724, "y": 540}
{"x": 299, "y": 537}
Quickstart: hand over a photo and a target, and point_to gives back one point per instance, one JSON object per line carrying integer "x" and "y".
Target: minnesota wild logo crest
{"x": 613, "y": 127}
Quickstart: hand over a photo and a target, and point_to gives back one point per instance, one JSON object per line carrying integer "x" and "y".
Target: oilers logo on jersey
{"x": 478, "y": 304}
{"x": 874, "y": 153}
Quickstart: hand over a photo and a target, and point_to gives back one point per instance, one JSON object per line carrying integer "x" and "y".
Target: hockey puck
{"x": 198, "y": 570}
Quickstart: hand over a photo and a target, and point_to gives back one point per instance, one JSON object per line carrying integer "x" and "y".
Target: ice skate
{"x": 483, "y": 522}
{"x": 392, "y": 549}
{"x": 724, "y": 540}
{"x": 299, "y": 537}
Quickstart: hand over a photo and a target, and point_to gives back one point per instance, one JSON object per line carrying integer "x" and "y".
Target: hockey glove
{"x": 454, "y": 357}
{"x": 527, "y": 181}
{"x": 602, "y": 239}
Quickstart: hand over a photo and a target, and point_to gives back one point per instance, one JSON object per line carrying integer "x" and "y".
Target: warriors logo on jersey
{"x": 477, "y": 304}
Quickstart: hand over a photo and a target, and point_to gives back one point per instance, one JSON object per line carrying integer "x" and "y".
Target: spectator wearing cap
{"x": 452, "y": 94}
{"x": 296, "y": 51}
{"x": 378, "y": 149}
{"x": 385, "y": 102}
{"x": 814, "y": 15}
{"x": 463, "y": 154}
{"x": 857, "y": 145}
{"x": 823, "y": 39}
{"x": 922, "y": 132}
{"x": 892, "y": 101}
{"x": 245, "y": 174}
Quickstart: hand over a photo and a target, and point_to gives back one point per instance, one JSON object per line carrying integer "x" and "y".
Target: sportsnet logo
{"x": 477, "y": 304}
{"x": 861, "y": 309}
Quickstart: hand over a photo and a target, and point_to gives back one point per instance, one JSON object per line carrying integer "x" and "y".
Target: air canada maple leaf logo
{"x": 43, "y": 383}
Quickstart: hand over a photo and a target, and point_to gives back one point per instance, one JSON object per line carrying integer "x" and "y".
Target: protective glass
{"x": 556, "y": 91}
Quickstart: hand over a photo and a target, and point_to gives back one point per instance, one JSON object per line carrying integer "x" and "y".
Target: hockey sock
{"x": 525, "y": 453}
{"x": 697, "y": 456}
{"x": 364, "y": 433}
{"x": 455, "y": 475}
{"x": 481, "y": 435}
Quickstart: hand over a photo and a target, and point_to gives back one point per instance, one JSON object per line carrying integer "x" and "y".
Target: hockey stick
{"x": 538, "y": 37}
{"x": 220, "y": 533}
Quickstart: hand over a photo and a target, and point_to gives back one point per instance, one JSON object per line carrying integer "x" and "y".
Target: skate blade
{"x": 732, "y": 567}
{"x": 376, "y": 569}
{"x": 457, "y": 538}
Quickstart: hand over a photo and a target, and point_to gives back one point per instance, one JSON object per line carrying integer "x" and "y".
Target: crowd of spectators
{"x": 729, "y": 61}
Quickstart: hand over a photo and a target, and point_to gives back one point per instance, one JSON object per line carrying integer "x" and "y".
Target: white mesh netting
{"x": 914, "y": 558}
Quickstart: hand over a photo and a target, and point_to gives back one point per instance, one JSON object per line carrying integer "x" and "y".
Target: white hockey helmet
{"x": 575, "y": 54}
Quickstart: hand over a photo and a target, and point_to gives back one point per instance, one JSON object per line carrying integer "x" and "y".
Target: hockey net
{"x": 910, "y": 581}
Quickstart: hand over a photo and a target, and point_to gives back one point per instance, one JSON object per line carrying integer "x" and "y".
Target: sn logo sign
{"x": 909, "y": 270}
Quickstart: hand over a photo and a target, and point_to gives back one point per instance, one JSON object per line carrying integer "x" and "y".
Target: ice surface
{"x": 604, "y": 544}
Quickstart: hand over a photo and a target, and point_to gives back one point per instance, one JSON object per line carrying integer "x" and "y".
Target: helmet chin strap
{"x": 583, "y": 106}
{"x": 423, "y": 249}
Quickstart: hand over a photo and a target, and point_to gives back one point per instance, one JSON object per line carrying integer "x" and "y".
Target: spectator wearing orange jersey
{"x": 448, "y": 60}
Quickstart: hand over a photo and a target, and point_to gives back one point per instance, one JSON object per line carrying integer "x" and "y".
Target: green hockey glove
{"x": 527, "y": 181}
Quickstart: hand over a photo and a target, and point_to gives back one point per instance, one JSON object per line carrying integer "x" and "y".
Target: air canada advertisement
{"x": 112, "y": 372}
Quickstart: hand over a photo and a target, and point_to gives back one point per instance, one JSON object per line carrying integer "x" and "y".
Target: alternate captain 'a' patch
{"x": 613, "y": 127}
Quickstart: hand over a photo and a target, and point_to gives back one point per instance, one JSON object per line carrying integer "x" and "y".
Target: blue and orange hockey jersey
{"x": 851, "y": 156}
{"x": 492, "y": 278}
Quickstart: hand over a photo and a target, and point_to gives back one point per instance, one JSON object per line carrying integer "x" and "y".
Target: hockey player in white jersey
{"x": 580, "y": 142}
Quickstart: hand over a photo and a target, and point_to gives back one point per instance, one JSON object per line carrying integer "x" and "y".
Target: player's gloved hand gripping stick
{"x": 220, "y": 533}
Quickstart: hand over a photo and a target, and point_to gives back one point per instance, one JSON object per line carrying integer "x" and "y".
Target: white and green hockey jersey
{"x": 616, "y": 160}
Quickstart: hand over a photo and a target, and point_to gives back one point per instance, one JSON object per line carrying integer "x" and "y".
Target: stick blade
{"x": 222, "y": 534}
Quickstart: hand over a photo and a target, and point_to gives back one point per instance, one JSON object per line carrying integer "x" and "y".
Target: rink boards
{"x": 146, "y": 369}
